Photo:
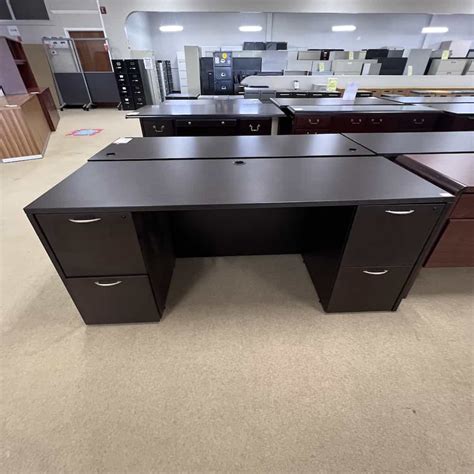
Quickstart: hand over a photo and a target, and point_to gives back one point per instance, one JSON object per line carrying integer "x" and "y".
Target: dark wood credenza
{"x": 455, "y": 173}
{"x": 209, "y": 117}
{"x": 113, "y": 230}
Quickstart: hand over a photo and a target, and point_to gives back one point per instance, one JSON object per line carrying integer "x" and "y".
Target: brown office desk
{"x": 49, "y": 107}
{"x": 455, "y": 116}
{"x": 455, "y": 173}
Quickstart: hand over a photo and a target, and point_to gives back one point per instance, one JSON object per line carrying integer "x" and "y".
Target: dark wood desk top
{"x": 208, "y": 109}
{"x": 402, "y": 143}
{"x": 183, "y": 96}
{"x": 216, "y": 184}
{"x": 286, "y": 102}
{"x": 457, "y": 169}
{"x": 232, "y": 147}
{"x": 431, "y": 100}
{"x": 457, "y": 109}
{"x": 360, "y": 109}
{"x": 443, "y": 91}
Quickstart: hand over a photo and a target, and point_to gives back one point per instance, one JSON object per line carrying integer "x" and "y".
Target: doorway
{"x": 93, "y": 53}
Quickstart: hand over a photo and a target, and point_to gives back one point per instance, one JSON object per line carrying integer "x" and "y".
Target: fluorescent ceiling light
{"x": 435, "y": 29}
{"x": 339, "y": 28}
{"x": 250, "y": 28}
{"x": 171, "y": 28}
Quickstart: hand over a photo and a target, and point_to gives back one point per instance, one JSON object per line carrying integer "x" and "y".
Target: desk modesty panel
{"x": 362, "y": 118}
{"x": 114, "y": 230}
{"x": 402, "y": 143}
{"x": 234, "y": 147}
{"x": 208, "y": 117}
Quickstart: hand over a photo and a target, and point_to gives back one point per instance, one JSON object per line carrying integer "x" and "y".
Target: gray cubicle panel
{"x": 441, "y": 67}
{"x": 321, "y": 67}
{"x": 346, "y": 67}
{"x": 417, "y": 60}
{"x": 309, "y": 55}
{"x": 102, "y": 87}
{"x": 73, "y": 88}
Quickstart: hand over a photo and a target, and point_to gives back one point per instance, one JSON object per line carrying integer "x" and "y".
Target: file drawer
{"x": 255, "y": 127}
{"x": 392, "y": 235}
{"x": 118, "y": 299}
{"x": 157, "y": 128}
{"x": 313, "y": 122}
{"x": 367, "y": 289}
{"x": 223, "y": 73}
{"x": 382, "y": 123}
{"x": 94, "y": 244}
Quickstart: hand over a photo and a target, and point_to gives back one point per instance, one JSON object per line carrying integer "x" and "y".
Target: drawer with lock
{"x": 157, "y": 127}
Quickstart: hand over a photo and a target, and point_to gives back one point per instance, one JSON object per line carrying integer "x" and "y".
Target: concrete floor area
{"x": 244, "y": 374}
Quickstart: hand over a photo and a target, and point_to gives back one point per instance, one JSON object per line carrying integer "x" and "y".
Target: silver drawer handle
{"x": 115, "y": 283}
{"x": 315, "y": 122}
{"x": 85, "y": 221}
{"x": 375, "y": 273}
{"x": 161, "y": 130}
{"x": 419, "y": 121}
{"x": 400, "y": 213}
{"x": 254, "y": 129}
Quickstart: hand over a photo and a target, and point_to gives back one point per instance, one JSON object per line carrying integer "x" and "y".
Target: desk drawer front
{"x": 418, "y": 122}
{"x": 464, "y": 208}
{"x": 313, "y": 122}
{"x": 382, "y": 123}
{"x": 367, "y": 289}
{"x": 157, "y": 128}
{"x": 392, "y": 235}
{"x": 255, "y": 127}
{"x": 94, "y": 244}
{"x": 351, "y": 122}
{"x": 206, "y": 123}
{"x": 118, "y": 299}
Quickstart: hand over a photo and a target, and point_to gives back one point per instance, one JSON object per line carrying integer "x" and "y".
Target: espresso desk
{"x": 286, "y": 123}
{"x": 238, "y": 147}
{"x": 208, "y": 117}
{"x": 455, "y": 173}
{"x": 113, "y": 230}
{"x": 299, "y": 93}
{"x": 442, "y": 92}
{"x": 362, "y": 118}
{"x": 430, "y": 99}
{"x": 455, "y": 116}
{"x": 394, "y": 144}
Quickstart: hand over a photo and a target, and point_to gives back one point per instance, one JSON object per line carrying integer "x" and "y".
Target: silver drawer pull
{"x": 85, "y": 221}
{"x": 400, "y": 213}
{"x": 160, "y": 130}
{"x": 254, "y": 129}
{"x": 383, "y": 272}
{"x": 115, "y": 283}
{"x": 316, "y": 122}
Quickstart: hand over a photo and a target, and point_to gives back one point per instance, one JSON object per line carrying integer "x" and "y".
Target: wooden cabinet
{"x": 24, "y": 130}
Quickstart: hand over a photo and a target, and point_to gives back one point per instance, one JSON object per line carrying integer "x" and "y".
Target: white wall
{"x": 62, "y": 14}
{"x": 139, "y": 32}
{"x": 310, "y": 30}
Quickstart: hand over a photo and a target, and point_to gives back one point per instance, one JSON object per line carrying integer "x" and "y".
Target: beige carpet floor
{"x": 244, "y": 374}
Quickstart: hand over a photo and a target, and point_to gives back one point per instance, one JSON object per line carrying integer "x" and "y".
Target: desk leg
{"x": 274, "y": 130}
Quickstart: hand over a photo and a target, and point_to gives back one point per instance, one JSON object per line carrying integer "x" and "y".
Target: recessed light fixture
{"x": 435, "y": 29}
{"x": 171, "y": 28}
{"x": 339, "y": 28}
{"x": 250, "y": 28}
